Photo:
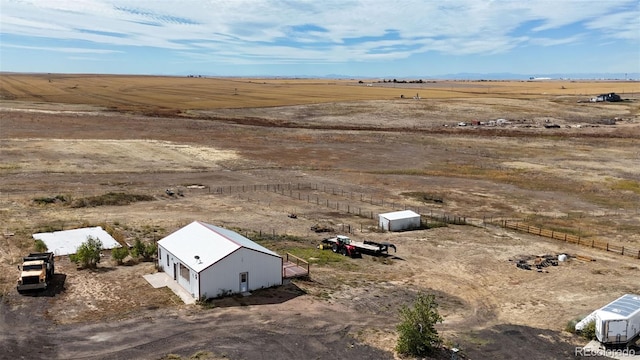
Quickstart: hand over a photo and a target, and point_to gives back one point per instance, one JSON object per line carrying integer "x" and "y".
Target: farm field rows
{"x": 246, "y": 153}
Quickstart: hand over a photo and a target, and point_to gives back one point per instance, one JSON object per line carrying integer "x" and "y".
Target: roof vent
{"x": 198, "y": 259}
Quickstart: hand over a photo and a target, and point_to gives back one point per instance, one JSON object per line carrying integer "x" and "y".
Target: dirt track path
{"x": 298, "y": 328}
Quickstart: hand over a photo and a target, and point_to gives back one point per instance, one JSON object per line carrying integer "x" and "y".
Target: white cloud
{"x": 254, "y": 30}
{"x": 64, "y": 49}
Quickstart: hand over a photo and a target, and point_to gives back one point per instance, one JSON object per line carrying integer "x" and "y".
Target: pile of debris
{"x": 538, "y": 262}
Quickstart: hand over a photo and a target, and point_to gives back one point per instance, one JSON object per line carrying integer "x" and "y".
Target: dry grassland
{"x": 352, "y": 147}
{"x": 150, "y": 93}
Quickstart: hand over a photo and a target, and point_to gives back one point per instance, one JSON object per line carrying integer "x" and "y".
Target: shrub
{"x": 50, "y": 199}
{"x": 88, "y": 253}
{"x": 205, "y": 303}
{"x": 417, "y": 334}
{"x": 111, "y": 199}
{"x": 589, "y": 331}
{"x": 40, "y": 246}
{"x": 144, "y": 251}
{"x": 118, "y": 254}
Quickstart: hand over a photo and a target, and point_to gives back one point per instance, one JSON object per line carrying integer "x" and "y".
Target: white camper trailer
{"x": 619, "y": 322}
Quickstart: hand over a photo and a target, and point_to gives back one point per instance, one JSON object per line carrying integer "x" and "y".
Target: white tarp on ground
{"x": 66, "y": 242}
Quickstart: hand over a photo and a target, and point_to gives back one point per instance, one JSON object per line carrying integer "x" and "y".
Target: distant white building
{"x": 209, "y": 261}
{"x": 399, "y": 220}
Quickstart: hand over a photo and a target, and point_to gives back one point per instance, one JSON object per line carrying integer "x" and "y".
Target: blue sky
{"x": 367, "y": 38}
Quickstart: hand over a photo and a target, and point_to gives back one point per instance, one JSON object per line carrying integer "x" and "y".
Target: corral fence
{"x": 570, "y": 238}
{"x": 297, "y": 191}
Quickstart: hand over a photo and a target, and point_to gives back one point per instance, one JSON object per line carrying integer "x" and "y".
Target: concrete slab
{"x": 66, "y": 242}
{"x": 162, "y": 279}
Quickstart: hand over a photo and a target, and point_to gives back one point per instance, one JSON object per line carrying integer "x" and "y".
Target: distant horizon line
{"x": 633, "y": 76}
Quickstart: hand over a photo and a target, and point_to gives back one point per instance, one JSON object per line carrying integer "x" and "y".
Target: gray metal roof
{"x": 624, "y": 306}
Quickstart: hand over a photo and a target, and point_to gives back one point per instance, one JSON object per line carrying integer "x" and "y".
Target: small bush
{"x": 111, "y": 198}
{"x": 589, "y": 331}
{"x": 144, "y": 251}
{"x": 88, "y": 254}
{"x": 571, "y": 325}
{"x": 205, "y": 302}
{"x": 40, "y": 246}
{"x": 50, "y": 199}
{"x": 417, "y": 334}
{"x": 118, "y": 254}
{"x": 201, "y": 355}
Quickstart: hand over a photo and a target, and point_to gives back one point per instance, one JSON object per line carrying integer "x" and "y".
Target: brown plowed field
{"x": 246, "y": 153}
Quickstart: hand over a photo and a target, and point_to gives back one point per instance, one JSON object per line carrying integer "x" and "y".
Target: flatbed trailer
{"x": 346, "y": 246}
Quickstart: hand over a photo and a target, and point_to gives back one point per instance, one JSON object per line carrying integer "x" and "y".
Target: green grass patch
{"x": 474, "y": 338}
{"x": 316, "y": 256}
{"x": 626, "y": 185}
{"x": 111, "y": 198}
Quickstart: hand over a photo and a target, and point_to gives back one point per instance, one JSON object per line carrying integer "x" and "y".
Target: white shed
{"x": 210, "y": 261}
{"x": 619, "y": 321}
{"x": 399, "y": 220}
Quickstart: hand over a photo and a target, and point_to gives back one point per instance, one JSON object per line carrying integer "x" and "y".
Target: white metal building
{"x": 399, "y": 220}
{"x": 210, "y": 261}
{"x": 619, "y": 321}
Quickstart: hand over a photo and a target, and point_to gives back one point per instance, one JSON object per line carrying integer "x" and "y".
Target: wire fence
{"x": 570, "y": 238}
{"x": 369, "y": 206}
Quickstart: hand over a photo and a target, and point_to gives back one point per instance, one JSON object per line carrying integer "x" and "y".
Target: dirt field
{"x": 246, "y": 153}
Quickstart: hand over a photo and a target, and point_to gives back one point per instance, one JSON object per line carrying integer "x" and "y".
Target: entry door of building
{"x": 175, "y": 271}
{"x": 244, "y": 282}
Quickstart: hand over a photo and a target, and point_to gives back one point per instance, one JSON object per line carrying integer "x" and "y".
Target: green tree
{"x": 118, "y": 254}
{"x": 40, "y": 246}
{"x": 417, "y": 333}
{"x": 88, "y": 253}
{"x": 144, "y": 251}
